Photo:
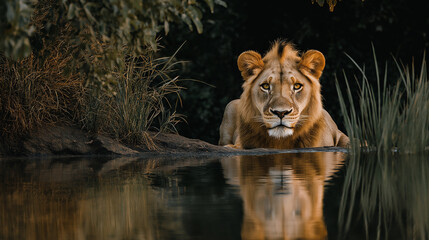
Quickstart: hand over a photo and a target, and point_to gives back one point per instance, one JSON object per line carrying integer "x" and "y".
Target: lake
{"x": 318, "y": 195}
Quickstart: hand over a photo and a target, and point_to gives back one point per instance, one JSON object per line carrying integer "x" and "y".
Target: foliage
{"x": 387, "y": 118}
{"x": 90, "y": 26}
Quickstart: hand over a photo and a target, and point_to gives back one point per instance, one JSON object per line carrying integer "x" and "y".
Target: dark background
{"x": 396, "y": 28}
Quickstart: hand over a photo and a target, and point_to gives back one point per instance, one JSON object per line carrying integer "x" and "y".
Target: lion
{"x": 281, "y": 104}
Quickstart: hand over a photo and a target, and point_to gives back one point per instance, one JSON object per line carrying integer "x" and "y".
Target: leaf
{"x": 10, "y": 14}
{"x": 70, "y": 13}
{"x": 198, "y": 25}
{"x": 320, "y": 2}
{"x": 185, "y": 18}
{"x": 88, "y": 13}
{"x": 211, "y": 5}
{"x": 166, "y": 27}
{"x": 221, "y": 3}
{"x": 26, "y": 48}
{"x": 332, "y": 4}
{"x": 195, "y": 14}
{"x": 30, "y": 30}
{"x": 23, "y": 7}
{"x": 17, "y": 48}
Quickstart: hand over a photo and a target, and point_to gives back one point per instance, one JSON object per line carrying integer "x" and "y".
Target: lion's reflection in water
{"x": 282, "y": 194}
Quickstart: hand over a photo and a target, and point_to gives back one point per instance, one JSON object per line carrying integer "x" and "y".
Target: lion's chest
{"x": 255, "y": 136}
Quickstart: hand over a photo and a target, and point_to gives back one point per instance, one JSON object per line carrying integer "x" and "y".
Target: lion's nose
{"x": 280, "y": 114}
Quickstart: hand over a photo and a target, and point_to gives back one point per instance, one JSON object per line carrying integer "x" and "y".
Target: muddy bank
{"x": 70, "y": 141}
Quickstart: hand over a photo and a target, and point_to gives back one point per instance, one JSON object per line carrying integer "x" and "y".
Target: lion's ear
{"x": 250, "y": 63}
{"x": 312, "y": 64}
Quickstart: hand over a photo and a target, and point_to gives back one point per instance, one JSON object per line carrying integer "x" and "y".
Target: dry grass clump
{"x": 36, "y": 92}
{"x": 140, "y": 102}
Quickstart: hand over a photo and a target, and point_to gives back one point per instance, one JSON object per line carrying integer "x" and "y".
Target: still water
{"x": 322, "y": 195}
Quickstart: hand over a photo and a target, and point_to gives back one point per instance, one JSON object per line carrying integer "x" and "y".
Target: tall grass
{"x": 387, "y": 116}
{"x": 141, "y": 101}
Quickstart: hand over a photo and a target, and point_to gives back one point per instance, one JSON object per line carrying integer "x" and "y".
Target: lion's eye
{"x": 265, "y": 86}
{"x": 297, "y": 86}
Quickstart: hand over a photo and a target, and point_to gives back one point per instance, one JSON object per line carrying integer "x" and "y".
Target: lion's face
{"x": 280, "y": 87}
{"x": 280, "y": 93}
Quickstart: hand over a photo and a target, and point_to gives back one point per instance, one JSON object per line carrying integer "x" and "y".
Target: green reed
{"x": 387, "y": 116}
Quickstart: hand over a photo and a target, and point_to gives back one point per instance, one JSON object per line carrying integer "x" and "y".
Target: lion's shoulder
{"x": 332, "y": 131}
{"x": 228, "y": 133}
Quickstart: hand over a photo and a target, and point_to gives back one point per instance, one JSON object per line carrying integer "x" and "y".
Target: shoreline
{"x": 70, "y": 142}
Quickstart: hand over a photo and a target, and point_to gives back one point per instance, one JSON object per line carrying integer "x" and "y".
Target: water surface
{"x": 285, "y": 196}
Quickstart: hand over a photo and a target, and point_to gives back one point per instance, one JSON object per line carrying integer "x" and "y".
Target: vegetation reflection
{"x": 389, "y": 192}
{"x": 69, "y": 200}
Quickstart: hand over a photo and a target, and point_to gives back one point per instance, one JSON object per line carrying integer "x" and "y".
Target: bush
{"x": 91, "y": 63}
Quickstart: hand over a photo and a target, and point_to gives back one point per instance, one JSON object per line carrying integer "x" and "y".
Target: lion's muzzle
{"x": 280, "y": 114}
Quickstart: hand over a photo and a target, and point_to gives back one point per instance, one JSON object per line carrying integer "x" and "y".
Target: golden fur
{"x": 281, "y": 105}
{"x": 282, "y": 194}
